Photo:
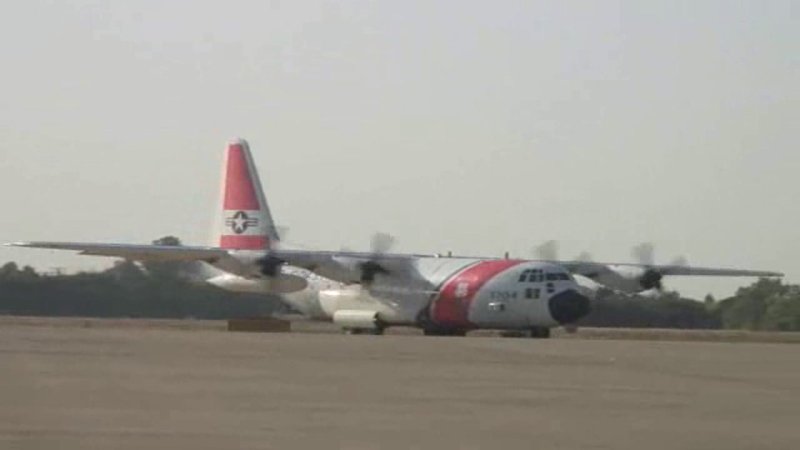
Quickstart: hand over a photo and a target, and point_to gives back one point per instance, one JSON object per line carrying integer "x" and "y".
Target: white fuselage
{"x": 449, "y": 293}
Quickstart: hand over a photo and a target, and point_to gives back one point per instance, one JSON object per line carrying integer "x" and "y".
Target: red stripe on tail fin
{"x": 244, "y": 242}
{"x": 240, "y": 194}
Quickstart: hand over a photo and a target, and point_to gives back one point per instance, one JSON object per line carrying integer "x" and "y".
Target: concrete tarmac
{"x": 70, "y": 387}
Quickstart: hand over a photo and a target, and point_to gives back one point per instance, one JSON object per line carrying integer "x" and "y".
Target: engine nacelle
{"x": 651, "y": 279}
{"x": 631, "y": 279}
{"x": 280, "y": 284}
{"x": 359, "y": 269}
{"x": 354, "y": 319}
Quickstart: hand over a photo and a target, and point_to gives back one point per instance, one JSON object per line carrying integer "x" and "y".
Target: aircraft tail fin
{"x": 246, "y": 221}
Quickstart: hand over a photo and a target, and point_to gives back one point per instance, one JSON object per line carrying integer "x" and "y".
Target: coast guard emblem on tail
{"x": 246, "y": 220}
{"x": 240, "y": 222}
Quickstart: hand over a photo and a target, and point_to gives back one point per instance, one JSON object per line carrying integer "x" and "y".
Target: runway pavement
{"x": 85, "y": 387}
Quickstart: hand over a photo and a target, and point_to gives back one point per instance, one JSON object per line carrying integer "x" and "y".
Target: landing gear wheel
{"x": 515, "y": 333}
{"x": 571, "y": 328}
{"x": 438, "y": 332}
{"x": 372, "y": 331}
{"x": 540, "y": 332}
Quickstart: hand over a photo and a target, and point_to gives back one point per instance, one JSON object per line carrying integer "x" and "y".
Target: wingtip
{"x": 237, "y": 141}
{"x": 769, "y": 274}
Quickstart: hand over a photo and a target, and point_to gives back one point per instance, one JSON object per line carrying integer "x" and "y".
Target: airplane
{"x": 366, "y": 292}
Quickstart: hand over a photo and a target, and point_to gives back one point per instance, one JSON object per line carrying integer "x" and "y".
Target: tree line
{"x": 766, "y": 305}
{"x": 125, "y": 290}
{"x": 174, "y": 290}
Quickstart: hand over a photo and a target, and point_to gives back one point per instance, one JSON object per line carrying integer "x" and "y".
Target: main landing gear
{"x": 438, "y": 332}
{"x": 534, "y": 332}
{"x": 373, "y": 331}
{"x": 539, "y": 332}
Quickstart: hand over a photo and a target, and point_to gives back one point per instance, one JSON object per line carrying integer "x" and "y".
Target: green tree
{"x": 666, "y": 311}
{"x": 9, "y": 270}
{"x": 709, "y": 301}
{"x": 126, "y": 271}
{"x": 783, "y": 311}
{"x": 747, "y": 309}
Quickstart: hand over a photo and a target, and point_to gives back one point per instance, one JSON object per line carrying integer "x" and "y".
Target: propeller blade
{"x": 380, "y": 243}
{"x": 644, "y": 253}
{"x": 547, "y": 250}
{"x": 282, "y": 231}
{"x": 680, "y": 261}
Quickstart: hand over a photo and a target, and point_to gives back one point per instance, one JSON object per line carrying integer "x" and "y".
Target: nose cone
{"x": 569, "y": 306}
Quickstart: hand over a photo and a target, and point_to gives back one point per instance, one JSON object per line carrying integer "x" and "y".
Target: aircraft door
{"x": 536, "y": 289}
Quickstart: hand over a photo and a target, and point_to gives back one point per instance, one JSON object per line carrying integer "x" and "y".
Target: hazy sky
{"x": 476, "y": 127}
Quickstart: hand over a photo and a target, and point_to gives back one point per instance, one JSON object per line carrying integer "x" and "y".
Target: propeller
{"x": 548, "y": 251}
{"x": 282, "y": 231}
{"x": 380, "y": 244}
{"x": 644, "y": 254}
{"x": 680, "y": 261}
{"x": 270, "y": 265}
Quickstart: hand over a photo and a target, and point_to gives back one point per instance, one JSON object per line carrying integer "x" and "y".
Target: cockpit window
{"x": 539, "y": 275}
{"x": 531, "y": 276}
{"x": 557, "y": 276}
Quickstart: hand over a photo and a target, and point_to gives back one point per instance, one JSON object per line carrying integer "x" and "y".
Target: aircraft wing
{"x": 714, "y": 272}
{"x": 351, "y": 267}
{"x": 331, "y": 263}
{"x": 341, "y": 266}
{"x": 590, "y": 269}
{"x": 303, "y": 258}
{"x": 138, "y": 252}
{"x": 345, "y": 266}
